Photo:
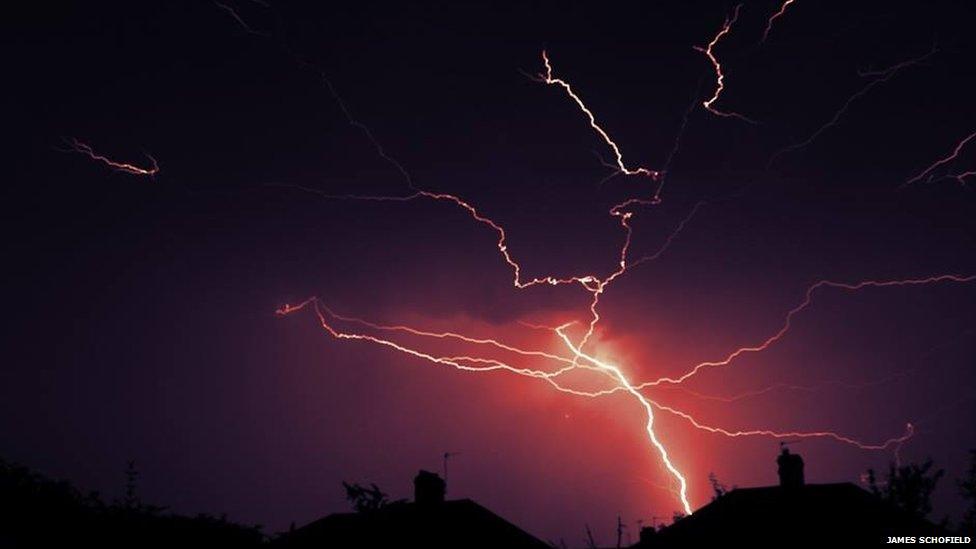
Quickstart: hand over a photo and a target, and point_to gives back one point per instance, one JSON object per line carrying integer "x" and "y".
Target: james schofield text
{"x": 929, "y": 539}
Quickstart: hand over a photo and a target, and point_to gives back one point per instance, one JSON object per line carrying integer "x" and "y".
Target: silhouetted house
{"x": 430, "y": 521}
{"x": 791, "y": 514}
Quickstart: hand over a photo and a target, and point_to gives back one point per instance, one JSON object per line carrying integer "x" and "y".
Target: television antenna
{"x": 447, "y": 456}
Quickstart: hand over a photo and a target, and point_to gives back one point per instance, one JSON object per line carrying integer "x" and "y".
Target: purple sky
{"x": 141, "y": 317}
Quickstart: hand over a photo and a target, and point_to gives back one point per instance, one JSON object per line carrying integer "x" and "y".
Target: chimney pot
{"x": 790, "y": 469}
{"x": 428, "y": 488}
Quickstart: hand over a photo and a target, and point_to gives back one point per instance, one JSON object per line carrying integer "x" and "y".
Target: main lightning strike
{"x": 594, "y": 284}
{"x": 323, "y": 313}
{"x": 649, "y": 427}
{"x": 624, "y": 384}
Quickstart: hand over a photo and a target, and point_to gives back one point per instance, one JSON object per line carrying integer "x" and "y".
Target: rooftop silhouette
{"x": 790, "y": 513}
{"x": 430, "y": 520}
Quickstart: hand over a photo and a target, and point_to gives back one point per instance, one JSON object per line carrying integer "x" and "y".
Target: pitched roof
{"x": 839, "y": 513}
{"x": 455, "y": 523}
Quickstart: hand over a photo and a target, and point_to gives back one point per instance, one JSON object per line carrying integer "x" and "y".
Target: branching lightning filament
{"x": 485, "y": 354}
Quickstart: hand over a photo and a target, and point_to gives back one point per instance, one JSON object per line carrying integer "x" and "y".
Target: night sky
{"x": 140, "y": 312}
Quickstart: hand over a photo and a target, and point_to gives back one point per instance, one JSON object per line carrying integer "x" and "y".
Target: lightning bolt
{"x": 848, "y": 385}
{"x": 804, "y": 304}
{"x": 783, "y": 330}
{"x": 483, "y": 364}
{"x": 590, "y": 282}
{"x": 785, "y": 387}
{"x": 85, "y": 149}
{"x": 891, "y": 442}
{"x": 960, "y": 177}
{"x": 575, "y": 355}
{"x": 719, "y": 75}
{"x": 463, "y": 363}
{"x": 877, "y": 77}
{"x": 774, "y": 17}
{"x": 548, "y": 78}
{"x": 648, "y": 408}
{"x": 236, "y": 16}
{"x": 676, "y": 145}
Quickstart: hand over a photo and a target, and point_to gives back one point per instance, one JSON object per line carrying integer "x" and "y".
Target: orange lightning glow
{"x": 808, "y": 299}
{"x": 624, "y": 382}
{"x": 719, "y": 75}
{"x": 491, "y": 364}
{"x": 596, "y": 285}
{"x": 84, "y": 148}
{"x": 774, "y": 17}
{"x": 481, "y": 364}
{"x": 576, "y": 355}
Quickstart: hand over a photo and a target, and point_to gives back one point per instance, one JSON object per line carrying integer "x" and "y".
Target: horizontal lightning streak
{"x": 788, "y": 322}
{"x": 808, "y": 299}
{"x": 901, "y": 374}
{"x": 449, "y": 335}
{"x": 456, "y": 362}
{"x": 487, "y": 364}
{"x": 891, "y": 442}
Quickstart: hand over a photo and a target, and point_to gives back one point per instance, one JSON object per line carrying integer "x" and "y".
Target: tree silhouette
{"x": 718, "y": 488}
{"x": 131, "y": 484}
{"x": 39, "y": 512}
{"x": 590, "y": 542}
{"x": 967, "y": 486}
{"x": 365, "y": 499}
{"x": 131, "y": 503}
{"x": 909, "y": 486}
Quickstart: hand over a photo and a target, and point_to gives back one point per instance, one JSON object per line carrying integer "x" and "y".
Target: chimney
{"x": 428, "y": 488}
{"x": 647, "y": 536}
{"x": 790, "y": 470}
